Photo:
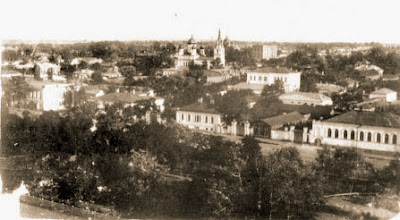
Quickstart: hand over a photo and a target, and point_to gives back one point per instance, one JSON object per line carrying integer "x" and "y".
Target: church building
{"x": 184, "y": 57}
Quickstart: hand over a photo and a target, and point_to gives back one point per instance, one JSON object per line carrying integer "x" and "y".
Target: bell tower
{"x": 219, "y": 50}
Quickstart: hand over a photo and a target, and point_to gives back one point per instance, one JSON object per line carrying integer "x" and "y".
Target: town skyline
{"x": 267, "y": 21}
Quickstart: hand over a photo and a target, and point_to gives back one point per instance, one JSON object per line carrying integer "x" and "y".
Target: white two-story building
{"x": 268, "y": 76}
{"x": 199, "y": 116}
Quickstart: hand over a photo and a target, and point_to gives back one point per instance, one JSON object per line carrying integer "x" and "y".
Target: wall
{"x": 320, "y": 131}
{"x": 189, "y": 119}
{"x": 53, "y": 96}
{"x": 291, "y": 81}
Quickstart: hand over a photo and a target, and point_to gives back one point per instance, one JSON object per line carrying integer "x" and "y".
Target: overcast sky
{"x": 258, "y": 20}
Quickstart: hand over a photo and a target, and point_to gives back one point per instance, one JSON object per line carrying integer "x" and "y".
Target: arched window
{"x": 329, "y": 132}
{"x": 352, "y": 135}
{"x": 345, "y": 134}
{"x": 394, "y": 139}
{"x": 369, "y": 137}
{"x": 386, "y": 139}
{"x": 378, "y": 138}
{"x": 259, "y": 78}
{"x": 361, "y": 136}
{"x": 189, "y": 118}
{"x": 183, "y": 117}
{"x": 206, "y": 119}
{"x": 212, "y": 120}
{"x": 336, "y": 133}
{"x": 265, "y": 78}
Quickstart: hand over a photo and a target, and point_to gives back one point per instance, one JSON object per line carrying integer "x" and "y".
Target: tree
{"x": 97, "y": 78}
{"x": 274, "y": 90}
{"x": 216, "y": 63}
{"x": 128, "y": 71}
{"x": 16, "y": 91}
{"x": 340, "y": 168}
{"x": 83, "y": 65}
{"x": 232, "y": 105}
{"x": 73, "y": 98}
{"x": 289, "y": 189}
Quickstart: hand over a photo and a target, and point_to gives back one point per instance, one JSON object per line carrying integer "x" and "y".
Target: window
{"x": 259, "y": 78}
{"x": 361, "y": 136}
{"x": 197, "y": 118}
{"x": 183, "y": 117}
{"x": 369, "y": 137}
{"x": 352, "y": 135}
{"x": 345, "y": 134}
{"x": 212, "y": 120}
{"x": 329, "y": 132}
{"x": 394, "y": 139}
{"x": 386, "y": 139}
{"x": 378, "y": 138}
{"x": 206, "y": 119}
{"x": 265, "y": 78}
{"x": 336, "y": 133}
{"x": 189, "y": 118}
{"x": 251, "y": 78}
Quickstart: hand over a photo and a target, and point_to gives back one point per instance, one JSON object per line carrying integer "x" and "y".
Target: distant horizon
{"x": 6, "y": 41}
{"x": 302, "y": 21}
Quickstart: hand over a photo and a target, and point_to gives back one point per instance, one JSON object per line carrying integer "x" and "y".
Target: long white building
{"x": 366, "y": 130}
{"x": 268, "y": 76}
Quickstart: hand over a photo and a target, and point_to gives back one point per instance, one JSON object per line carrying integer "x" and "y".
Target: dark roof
{"x": 379, "y": 119}
{"x": 273, "y": 70}
{"x": 283, "y": 119}
{"x": 122, "y": 97}
{"x": 211, "y": 73}
{"x": 198, "y": 107}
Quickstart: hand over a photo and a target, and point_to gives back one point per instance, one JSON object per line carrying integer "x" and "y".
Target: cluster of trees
{"x": 240, "y": 58}
{"x": 152, "y": 169}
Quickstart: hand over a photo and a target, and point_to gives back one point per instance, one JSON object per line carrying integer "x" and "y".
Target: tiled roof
{"x": 304, "y": 95}
{"x": 283, "y": 119}
{"x": 122, "y": 97}
{"x": 198, "y": 107}
{"x": 383, "y": 91}
{"x": 272, "y": 70}
{"x": 379, "y": 119}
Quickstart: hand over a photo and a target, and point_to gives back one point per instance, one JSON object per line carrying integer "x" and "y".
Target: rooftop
{"x": 283, "y": 119}
{"x": 273, "y": 70}
{"x": 382, "y": 91}
{"x": 198, "y": 107}
{"x": 123, "y": 97}
{"x": 379, "y": 119}
{"x": 307, "y": 95}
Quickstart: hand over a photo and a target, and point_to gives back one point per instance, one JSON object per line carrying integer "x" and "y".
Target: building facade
{"x": 268, "y": 76}
{"x": 365, "y": 130}
{"x": 265, "y": 52}
{"x": 48, "y": 96}
{"x": 199, "y": 116}
{"x": 385, "y": 94}
{"x": 306, "y": 98}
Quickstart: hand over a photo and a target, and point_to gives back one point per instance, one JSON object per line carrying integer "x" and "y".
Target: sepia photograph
{"x": 209, "y": 109}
